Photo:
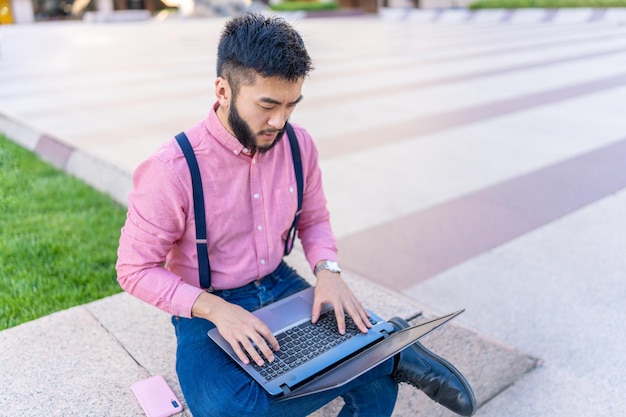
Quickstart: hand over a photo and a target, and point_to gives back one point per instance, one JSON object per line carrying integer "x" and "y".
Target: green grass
{"x": 304, "y": 5}
{"x": 58, "y": 238}
{"x": 545, "y": 4}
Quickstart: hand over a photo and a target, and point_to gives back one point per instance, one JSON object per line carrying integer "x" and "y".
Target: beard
{"x": 244, "y": 134}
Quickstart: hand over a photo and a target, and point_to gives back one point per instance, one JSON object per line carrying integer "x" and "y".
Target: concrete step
{"x": 82, "y": 361}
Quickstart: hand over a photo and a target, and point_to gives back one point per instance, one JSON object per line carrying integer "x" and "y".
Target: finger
{"x": 316, "y": 311}
{"x": 268, "y": 338}
{"x": 239, "y": 351}
{"x": 266, "y": 351}
{"x": 361, "y": 321}
{"x": 266, "y": 347}
{"x": 364, "y": 316}
{"x": 341, "y": 319}
{"x": 271, "y": 340}
{"x": 249, "y": 347}
{"x": 359, "y": 315}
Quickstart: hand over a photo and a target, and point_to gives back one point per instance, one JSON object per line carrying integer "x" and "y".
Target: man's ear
{"x": 223, "y": 92}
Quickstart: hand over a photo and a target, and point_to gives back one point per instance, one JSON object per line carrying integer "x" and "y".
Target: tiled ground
{"x": 474, "y": 165}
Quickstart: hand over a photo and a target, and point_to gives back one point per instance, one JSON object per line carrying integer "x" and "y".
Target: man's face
{"x": 247, "y": 137}
{"x": 258, "y": 114}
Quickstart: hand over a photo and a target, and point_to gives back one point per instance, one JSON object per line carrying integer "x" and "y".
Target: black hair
{"x": 253, "y": 44}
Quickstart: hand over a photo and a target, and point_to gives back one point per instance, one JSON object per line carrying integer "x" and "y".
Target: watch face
{"x": 332, "y": 266}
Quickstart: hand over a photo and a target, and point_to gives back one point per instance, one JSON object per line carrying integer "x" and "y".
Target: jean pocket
{"x": 247, "y": 300}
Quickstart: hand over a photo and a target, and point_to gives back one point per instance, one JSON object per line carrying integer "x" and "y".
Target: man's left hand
{"x": 332, "y": 289}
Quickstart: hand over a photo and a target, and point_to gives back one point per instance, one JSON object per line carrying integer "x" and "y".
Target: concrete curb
{"x": 103, "y": 176}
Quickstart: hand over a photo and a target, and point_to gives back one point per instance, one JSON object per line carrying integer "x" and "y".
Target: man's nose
{"x": 277, "y": 119}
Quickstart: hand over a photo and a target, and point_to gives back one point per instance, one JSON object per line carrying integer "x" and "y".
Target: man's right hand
{"x": 238, "y": 327}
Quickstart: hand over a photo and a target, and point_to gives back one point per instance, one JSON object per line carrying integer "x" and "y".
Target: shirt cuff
{"x": 321, "y": 255}
{"x": 184, "y": 299}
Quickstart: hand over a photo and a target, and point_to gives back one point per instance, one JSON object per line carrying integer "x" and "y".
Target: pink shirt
{"x": 250, "y": 204}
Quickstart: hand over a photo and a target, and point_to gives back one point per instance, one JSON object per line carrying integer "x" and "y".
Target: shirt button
{"x": 246, "y": 150}
{"x": 262, "y": 261}
{"x": 259, "y": 227}
{"x": 256, "y": 195}
{"x": 291, "y": 189}
{"x": 235, "y": 151}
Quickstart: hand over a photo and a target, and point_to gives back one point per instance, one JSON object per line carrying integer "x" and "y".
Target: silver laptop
{"x": 315, "y": 357}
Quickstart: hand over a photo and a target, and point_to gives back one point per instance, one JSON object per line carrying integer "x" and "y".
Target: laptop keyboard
{"x": 306, "y": 341}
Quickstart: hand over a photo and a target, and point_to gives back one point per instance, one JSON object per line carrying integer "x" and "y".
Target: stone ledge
{"x": 82, "y": 361}
{"x": 66, "y": 364}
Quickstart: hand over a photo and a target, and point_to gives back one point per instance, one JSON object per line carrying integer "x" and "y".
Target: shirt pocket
{"x": 285, "y": 205}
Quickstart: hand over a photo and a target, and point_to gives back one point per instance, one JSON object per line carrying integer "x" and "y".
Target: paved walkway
{"x": 467, "y": 164}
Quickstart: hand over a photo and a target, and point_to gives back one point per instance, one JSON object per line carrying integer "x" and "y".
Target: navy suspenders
{"x": 297, "y": 167}
{"x": 204, "y": 268}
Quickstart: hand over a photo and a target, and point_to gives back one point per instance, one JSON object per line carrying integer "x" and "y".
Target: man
{"x": 250, "y": 196}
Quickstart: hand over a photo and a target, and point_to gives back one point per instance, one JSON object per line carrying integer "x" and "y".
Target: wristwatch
{"x": 331, "y": 266}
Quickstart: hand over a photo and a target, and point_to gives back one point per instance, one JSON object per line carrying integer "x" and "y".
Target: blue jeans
{"x": 214, "y": 385}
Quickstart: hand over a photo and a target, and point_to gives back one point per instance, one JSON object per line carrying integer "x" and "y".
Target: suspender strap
{"x": 297, "y": 166}
{"x": 204, "y": 268}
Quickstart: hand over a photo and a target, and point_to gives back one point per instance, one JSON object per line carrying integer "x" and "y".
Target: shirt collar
{"x": 216, "y": 129}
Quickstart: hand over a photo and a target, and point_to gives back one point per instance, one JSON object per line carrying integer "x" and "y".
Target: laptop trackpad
{"x": 287, "y": 313}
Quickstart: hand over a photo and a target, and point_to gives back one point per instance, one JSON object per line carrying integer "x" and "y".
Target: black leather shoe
{"x": 434, "y": 376}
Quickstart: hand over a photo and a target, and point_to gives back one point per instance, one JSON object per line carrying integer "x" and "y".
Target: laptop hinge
{"x": 385, "y": 333}
{"x": 285, "y": 388}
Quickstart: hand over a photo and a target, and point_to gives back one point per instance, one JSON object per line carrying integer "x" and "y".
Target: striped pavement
{"x": 467, "y": 164}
